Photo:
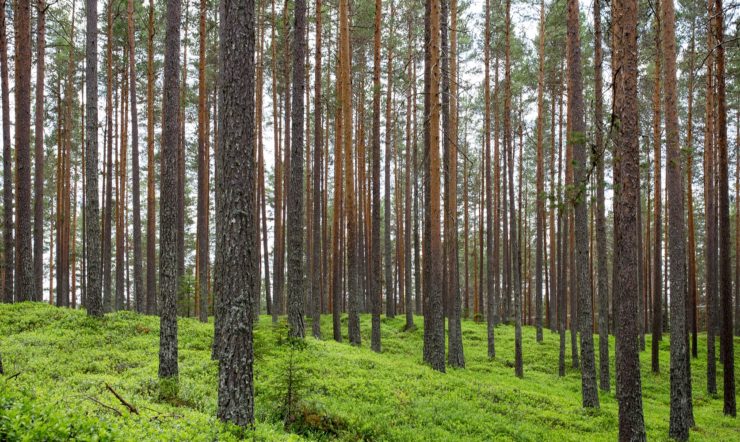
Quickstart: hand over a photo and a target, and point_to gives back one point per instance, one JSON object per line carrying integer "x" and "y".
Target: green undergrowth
{"x": 59, "y": 364}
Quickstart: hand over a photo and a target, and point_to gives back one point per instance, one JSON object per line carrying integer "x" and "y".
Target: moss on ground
{"x": 63, "y": 361}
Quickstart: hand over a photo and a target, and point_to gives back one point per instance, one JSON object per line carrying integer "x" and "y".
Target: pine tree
{"x": 24, "y": 288}
{"x": 38, "y": 183}
{"x": 727, "y": 351}
{"x": 711, "y": 212}
{"x": 135, "y": 192}
{"x": 295, "y": 190}
{"x": 390, "y": 291}
{"x": 315, "y": 273}
{"x": 680, "y": 419}
{"x": 201, "y": 287}
{"x": 8, "y": 241}
{"x": 540, "y": 215}
{"x": 434, "y": 349}
{"x": 92, "y": 224}
{"x": 657, "y": 280}
{"x": 599, "y": 152}
{"x": 151, "y": 235}
{"x": 490, "y": 259}
{"x": 168, "y": 281}
{"x": 626, "y": 176}
{"x": 455, "y": 357}
{"x": 376, "y": 279}
{"x": 238, "y": 233}
{"x": 576, "y": 138}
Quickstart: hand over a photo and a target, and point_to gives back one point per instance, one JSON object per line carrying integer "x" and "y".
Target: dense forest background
{"x": 569, "y": 167}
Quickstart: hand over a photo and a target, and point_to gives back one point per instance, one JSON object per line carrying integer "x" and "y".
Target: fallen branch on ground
{"x": 130, "y": 407}
{"x": 105, "y": 406}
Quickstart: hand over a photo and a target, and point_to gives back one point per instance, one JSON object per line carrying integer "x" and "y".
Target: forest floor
{"x": 59, "y": 364}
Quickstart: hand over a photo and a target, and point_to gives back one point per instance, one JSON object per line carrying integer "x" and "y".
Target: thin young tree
{"x": 624, "y": 61}
{"x": 168, "y": 281}
{"x": 238, "y": 234}
{"x": 295, "y": 190}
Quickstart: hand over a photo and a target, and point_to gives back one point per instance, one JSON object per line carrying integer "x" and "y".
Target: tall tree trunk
{"x": 601, "y": 265}
{"x": 92, "y": 216}
{"x": 24, "y": 288}
{"x": 201, "y": 287}
{"x": 295, "y": 191}
{"x": 434, "y": 348}
{"x": 580, "y": 164}
{"x": 8, "y": 241}
{"x": 121, "y": 194}
{"x": 657, "y": 280}
{"x": 316, "y": 274}
{"x": 376, "y": 278}
{"x": 180, "y": 187}
{"x": 168, "y": 281}
{"x": 238, "y": 238}
{"x": 725, "y": 273}
{"x": 629, "y": 395}
{"x": 108, "y": 174}
{"x": 737, "y": 236}
{"x": 38, "y": 183}
{"x": 408, "y": 232}
{"x": 554, "y": 259}
{"x": 540, "y": 175}
{"x": 285, "y": 183}
{"x": 680, "y": 419}
{"x": 711, "y": 213}
{"x": 337, "y": 228}
{"x": 455, "y": 357}
{"x": 135, "y": 193}
{"x": 516, "y": 280}
{"x": 562, "y": 248}
{"x": 277, "y": 304}
{"x": 390, "y": 294}
{"x": 692, "y": 292}
{"x": 261, "y": 160}
{"x": 151, "y": 235}
{"x": 490, "y": 288}
{"x": 353, "y": 292}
